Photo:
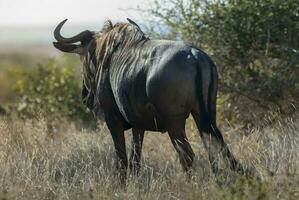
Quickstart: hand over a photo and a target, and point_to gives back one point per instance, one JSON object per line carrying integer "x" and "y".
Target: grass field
{"x": 55, "y": 160}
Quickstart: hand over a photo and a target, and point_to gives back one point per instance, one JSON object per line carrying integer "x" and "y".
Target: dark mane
{"x": 120, "y": 36}
{"x": 119, "y": 33}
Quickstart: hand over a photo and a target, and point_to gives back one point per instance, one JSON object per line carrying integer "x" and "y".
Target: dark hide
{"x": 153, "y": 85}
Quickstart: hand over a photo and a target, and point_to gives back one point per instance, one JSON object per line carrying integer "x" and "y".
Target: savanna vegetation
{"x": 51, "y": 147}
{"x": 254, "y": 44}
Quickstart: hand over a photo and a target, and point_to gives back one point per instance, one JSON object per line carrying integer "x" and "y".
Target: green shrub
{"x": 51, "y": 90}
{"x": 254, "y": 44}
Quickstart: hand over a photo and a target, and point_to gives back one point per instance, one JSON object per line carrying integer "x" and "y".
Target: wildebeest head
{"x": 95, "y": 50}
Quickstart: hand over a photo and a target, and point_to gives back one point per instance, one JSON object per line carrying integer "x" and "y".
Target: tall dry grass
{"x": 54, "y": 160}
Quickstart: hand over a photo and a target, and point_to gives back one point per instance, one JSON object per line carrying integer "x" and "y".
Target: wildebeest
{"x": 145, "y": 84}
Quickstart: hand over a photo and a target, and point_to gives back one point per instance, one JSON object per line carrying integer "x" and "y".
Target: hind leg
{"x": 176, "y": 131}
{"x": 214, "y": 143}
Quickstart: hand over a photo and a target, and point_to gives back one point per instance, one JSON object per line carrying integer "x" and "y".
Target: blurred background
{"x": 51, "y": 146}
{"x": 27, "y": 56}
{"x": 31, "y": 22}
{"x": 254, "y": 44}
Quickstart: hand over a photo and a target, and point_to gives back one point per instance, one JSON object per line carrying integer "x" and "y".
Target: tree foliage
{"x": 53, "y": 91}
{"x": 254, "y": 43}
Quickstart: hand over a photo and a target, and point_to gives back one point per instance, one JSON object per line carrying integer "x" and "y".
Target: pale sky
{"x": 49, "y": 12}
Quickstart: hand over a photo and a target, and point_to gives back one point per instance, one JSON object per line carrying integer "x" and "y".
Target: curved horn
{"x": 69, "y": 48}
{"x": 81, "y": 37}
{"x": 132, "y": 22}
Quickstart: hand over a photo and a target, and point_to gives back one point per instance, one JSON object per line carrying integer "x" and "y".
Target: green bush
{"x": 254, "y": 44}
{"x": 51, "y": 90}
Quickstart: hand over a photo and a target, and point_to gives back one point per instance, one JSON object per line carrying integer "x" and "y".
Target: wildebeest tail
{"x": 206, "y": 84}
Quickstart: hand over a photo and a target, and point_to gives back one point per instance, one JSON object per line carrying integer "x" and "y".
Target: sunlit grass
{"x": 50, "y": 160}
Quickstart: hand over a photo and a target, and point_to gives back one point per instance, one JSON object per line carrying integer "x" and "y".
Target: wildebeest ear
{"x": 107, "y": 26}
{"x": 69, "y": 48}
{"x": 132, "y": 22}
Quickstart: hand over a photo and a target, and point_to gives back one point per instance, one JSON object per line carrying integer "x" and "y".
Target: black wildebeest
{"x": 145, "y": 84}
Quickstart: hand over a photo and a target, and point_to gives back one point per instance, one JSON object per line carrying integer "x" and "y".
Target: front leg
{"x": 137, "y": 141}
{"x": 116, "y": 127}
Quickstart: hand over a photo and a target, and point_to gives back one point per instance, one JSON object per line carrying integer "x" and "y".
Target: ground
{"x": 57, "y": 160}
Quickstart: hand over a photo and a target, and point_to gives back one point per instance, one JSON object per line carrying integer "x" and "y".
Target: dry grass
{"x": 39, "y": 160}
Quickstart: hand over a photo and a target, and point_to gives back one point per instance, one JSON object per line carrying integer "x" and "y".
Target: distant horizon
{"x": 39, "y": 13}
{"x": 21, "y": 35}
{"x": 69, "y": 23}
{"x": 42, "y": 35}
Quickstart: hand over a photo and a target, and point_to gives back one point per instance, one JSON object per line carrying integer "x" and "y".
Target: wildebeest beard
{"x": 112, "y": 39}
